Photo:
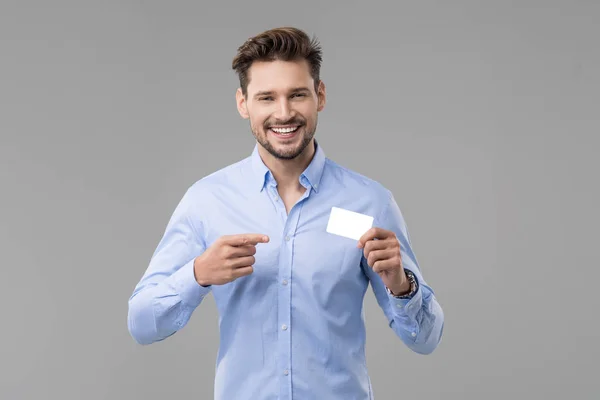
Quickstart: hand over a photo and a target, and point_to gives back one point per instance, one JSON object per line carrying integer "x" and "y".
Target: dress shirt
{"x": 294, "y": 328}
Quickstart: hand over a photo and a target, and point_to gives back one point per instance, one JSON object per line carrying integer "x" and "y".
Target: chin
{"x": 285, "y": 154}
{"x": 284, "y": 151}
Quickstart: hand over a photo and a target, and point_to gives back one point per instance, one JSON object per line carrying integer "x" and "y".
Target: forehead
{"x": 278, "y": 75}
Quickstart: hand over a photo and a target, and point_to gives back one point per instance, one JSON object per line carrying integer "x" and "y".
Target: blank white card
{"x": 349, "y": 224}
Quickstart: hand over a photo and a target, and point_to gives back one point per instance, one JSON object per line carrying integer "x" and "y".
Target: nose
{"x": 284, "y": 111}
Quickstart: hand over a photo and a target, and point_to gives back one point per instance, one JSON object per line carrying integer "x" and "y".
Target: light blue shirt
{"x": 294, "y": 328}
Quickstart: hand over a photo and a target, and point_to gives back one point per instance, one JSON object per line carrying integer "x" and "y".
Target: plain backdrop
{"x": 482, "y": 117}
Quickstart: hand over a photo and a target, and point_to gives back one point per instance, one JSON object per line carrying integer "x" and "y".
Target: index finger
{"x": 246, "y": 239}
{"x": 373, "y": 233}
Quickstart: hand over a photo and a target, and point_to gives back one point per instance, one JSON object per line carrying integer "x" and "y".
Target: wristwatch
{"x": 414, "y": 286}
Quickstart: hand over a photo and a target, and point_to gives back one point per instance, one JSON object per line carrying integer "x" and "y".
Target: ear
{"x": 321, "y": 96}
{"x": 242, "y": 105}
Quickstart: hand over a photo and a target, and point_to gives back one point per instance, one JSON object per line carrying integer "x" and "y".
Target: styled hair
{"x": 285, "y": 44}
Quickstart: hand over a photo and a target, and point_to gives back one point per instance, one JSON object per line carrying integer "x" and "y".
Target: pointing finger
{"x": 246, "y": 239}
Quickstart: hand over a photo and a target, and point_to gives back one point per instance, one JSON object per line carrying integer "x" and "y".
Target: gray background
{"x": 481, "y": 117}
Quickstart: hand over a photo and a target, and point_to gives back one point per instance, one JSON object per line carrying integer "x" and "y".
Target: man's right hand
{"x": 228, "y": 258}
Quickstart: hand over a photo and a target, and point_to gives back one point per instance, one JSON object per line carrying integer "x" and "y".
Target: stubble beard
{"x": 263, "y": 140}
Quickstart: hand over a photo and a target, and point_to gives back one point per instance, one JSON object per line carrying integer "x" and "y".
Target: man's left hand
{"x": 382, "y": 252}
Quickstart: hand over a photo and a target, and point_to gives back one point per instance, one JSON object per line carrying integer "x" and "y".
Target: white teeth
{"x": 284, "y": 130}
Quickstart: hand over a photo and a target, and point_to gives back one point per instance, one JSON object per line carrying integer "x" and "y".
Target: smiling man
{"x": 255, "y": 234}
{"x": 282, "y": 128}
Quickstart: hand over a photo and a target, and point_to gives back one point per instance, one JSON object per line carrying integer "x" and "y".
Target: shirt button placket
{"x": 285, "y": 298}
{"x": 285, "y": 302}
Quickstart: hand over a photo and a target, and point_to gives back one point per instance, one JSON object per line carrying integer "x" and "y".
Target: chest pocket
{"x": 329, "y": 257}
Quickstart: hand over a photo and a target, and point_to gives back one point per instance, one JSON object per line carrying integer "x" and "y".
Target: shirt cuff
{"x": 185, "y": 284}
{"x": 408, "y": 307}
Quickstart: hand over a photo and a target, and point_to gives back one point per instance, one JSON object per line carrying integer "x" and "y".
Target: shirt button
{"x": 284, "y": 282}
{"x": 413, "y": 334}
{"x": 284, "y": 327}
{"x": 286, "y": 372}
{"x": 287, "y": 238}
{"x": 399, "y": 305}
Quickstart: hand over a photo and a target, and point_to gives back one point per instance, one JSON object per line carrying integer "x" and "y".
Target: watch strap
{"x": 414, "y": 286}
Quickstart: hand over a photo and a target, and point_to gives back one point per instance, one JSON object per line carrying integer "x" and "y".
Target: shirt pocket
{"x": 331, "y": 258}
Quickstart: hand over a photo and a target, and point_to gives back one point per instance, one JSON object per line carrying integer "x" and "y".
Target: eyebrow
{"x": 269, "y": 92}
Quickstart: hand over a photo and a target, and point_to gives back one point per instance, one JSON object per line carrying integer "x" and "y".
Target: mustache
{"x": 293, "y": 121}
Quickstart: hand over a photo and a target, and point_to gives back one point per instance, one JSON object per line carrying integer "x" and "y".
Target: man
{"x": 288, "y": 292}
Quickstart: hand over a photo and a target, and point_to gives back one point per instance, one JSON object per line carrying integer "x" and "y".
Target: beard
{"x": 262, "y": 137}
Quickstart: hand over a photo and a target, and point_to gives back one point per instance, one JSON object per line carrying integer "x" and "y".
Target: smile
{"x": 284, "y": 131}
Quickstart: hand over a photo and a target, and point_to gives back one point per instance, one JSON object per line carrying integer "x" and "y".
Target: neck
{"x": 287, "y": 172}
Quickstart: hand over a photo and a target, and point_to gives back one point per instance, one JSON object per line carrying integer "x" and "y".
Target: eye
{"x": 299, "y": 95}
{"x": 266, "y": 98}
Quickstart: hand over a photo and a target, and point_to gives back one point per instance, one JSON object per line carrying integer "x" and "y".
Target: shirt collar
{"x": 311, "y": 175}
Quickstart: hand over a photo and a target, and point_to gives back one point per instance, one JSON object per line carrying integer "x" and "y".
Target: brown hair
{"x": 285, "y": 44}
